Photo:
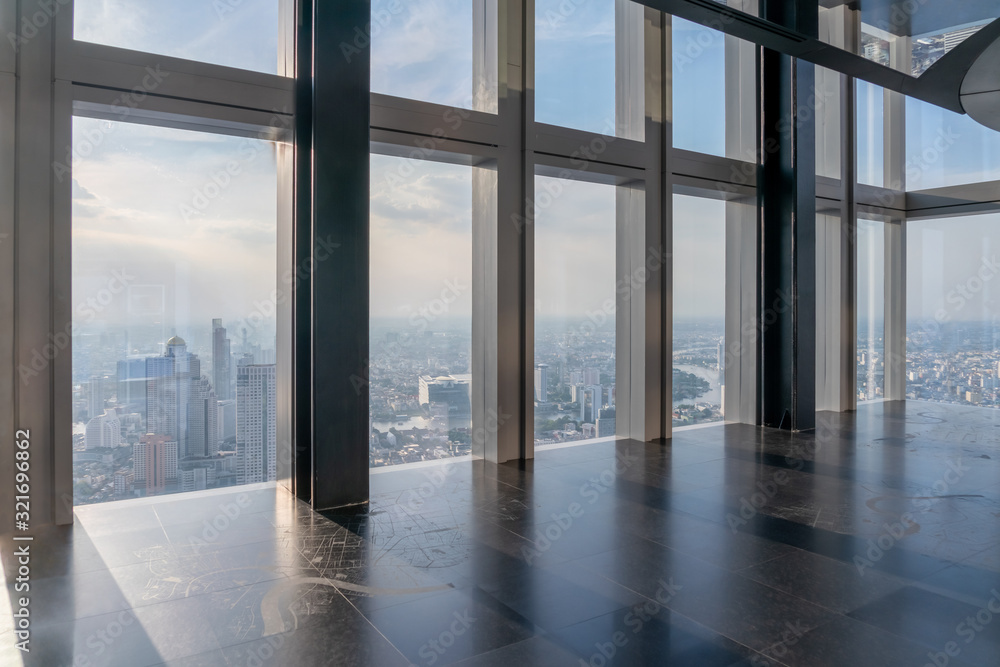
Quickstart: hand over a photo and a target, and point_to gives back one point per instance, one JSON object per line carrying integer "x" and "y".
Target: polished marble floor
{"x": 874, "y": 541}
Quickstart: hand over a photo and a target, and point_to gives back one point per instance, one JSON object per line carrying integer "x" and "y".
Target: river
{"x": 714, "y": 395}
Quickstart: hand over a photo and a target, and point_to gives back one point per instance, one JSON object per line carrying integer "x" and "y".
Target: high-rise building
{"x": 180, "y": 402}
{"x": 132, "y": 379}
{"x": 168, "y": 391}
{"x": 203, "y": 420}
{"x": 196, "y": 479}
{"x": 591, "y": 376}
{"x": 449, "y": 391}
{"x": 104, "y": 430}
{"x": 95, "y": 396}
{"x": 606, "y": 423}
{"x": 592, "y": 400}
{"x": 124, "y": 482}
{"x": 227, "y": 419}
{"x": 542, "y": 383}
{"x": 154, "y": 459}
{"x": 953, "y": 38}
{"x": 221, "y": 360}
{"x": 256, "y": 434}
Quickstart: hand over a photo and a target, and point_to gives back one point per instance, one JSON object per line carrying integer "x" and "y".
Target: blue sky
{"x": 953, "y": 266}
{"x": 148, "y": 200}
{"x": 235, "y": 33}
{"x": 128, "y": 191}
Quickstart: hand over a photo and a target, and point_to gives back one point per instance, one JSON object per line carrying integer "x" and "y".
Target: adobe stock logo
{"x": 432, "y": 651}
{"x": 969, "y": 628}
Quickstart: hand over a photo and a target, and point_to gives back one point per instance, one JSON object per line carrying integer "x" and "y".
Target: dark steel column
{"x": 339, "y": 246}
{"x": 302, "y": 281}
{"x": 787, "y": 208}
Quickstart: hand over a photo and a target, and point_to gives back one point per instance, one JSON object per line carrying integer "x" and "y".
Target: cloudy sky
{"x": 421, "y": 239}
{"x": 131, "y": 187}
{"x": 953, "y": 266}
{"x": 159, "y": 205}
{"x": 235, "y": 33}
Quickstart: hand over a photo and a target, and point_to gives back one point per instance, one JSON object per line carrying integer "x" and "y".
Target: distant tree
{"x": 689, "y": 385}
{"x": 462, "y": 437}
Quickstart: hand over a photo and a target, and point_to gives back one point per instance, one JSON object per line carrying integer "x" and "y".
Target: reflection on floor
{"x": 874, "y": 541}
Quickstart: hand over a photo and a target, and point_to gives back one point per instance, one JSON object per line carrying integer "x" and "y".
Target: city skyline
{"x": 155, "y": 424}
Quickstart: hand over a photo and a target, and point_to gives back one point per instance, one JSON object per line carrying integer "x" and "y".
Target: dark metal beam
{"x": 302, "y": 281}
{"x": 786, "y": 188}
{"x": 794, "y": 39}
{"x": 339, "y": 253}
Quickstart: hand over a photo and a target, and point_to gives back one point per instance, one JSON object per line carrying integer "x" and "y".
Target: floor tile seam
{"x": 161, "y": 660}
{"x": 626, "y": 587}
{"x": 106, "y": 520}
{"x": 172, "y": 661}
{"x": 800, "y": 597}
{"x": 980, "y": 553}
{"x": 512, "y": 532}
{"x": 230, "y": 647}
{"x": 951, "y": 594}
{"x": 757, "y": 533}
{"x": 133, "y": 607}
{"x": 169, "y": 661}
{"x": 279, "y": 577}
{"x": 710, "y": 629}
{"x": 764, "y": 562}
{"x": 724, "y": 572}
{"x": 116, "y": 570}
{"x": 243, "y": 510}
{"x": 474, "y": 587}
{"x": 809, "y": 631}
{"x": 879, "y": 628}
{"x": 892, "y": 577}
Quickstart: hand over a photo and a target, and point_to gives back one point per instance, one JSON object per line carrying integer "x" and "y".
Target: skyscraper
{"x": 588, "y": 410}
{"x": 606, "y": 423}
{"x": 132, "y": 384}
{"x": 104, "y": 430}
{"x": 227, "y": 419}
{"x": 542, "y": 383}
{"x": 95, "y": 397}
{"x": 221, "y": 359}
{"x": 180, "y": 403}
{"x": 203, "y": 420}
{"x": 167, "y": 393}
{"x": 155, "y": 461}
{"x": 256, "y": 435}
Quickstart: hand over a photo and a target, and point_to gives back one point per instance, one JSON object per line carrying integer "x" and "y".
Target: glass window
{"x": 420, "y": 356}
{"x": 871, "y": 309}
{"x": 871, "y": 134}
{"x": 953, "y": 310}
{"x": 699, "y": 310}
{"x": 929, "y": 48}
{"x": 174, "y": 280}
{"x": 575, "y": 307}
{"x": 699, "y": 94}
{"x": 235, "y": 33}
{"x": 945, "y": 148}
{"x": 424, "y": 50}
{"x": 575, "y": 64}
{"x": 828, "y": 141}
{"x": 876, "y": 44}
